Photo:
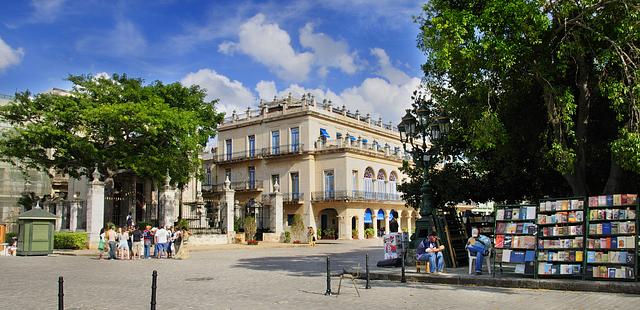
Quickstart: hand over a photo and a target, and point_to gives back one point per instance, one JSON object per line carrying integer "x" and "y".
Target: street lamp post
{"x": 420, "y": 132}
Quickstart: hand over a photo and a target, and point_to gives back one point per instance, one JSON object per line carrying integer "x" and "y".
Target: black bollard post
{"x": 60, "y": 293}
{"x": 367, "y": 286}
{"x": 328, "y": 292}
{"x": 154, "y": 282}
{"x": 403, "y": 279}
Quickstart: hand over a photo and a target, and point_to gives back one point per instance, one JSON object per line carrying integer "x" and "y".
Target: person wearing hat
{"x": 431, "y": 250}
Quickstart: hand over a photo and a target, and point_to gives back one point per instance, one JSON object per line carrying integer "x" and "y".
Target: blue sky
{"x": 361, "y": 54}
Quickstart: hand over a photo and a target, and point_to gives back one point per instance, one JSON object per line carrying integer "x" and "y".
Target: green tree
{"x": 542, "y": 95}
{"x": 115, "y": 124}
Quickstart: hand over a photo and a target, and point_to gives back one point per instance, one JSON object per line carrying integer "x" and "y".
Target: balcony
{"x": 237, "y": 156}
{"x": 236, "y": 186}
{"x": 283, "y": 150}
{"x": 286, "y": 197}
{"x": 354, "y": 196}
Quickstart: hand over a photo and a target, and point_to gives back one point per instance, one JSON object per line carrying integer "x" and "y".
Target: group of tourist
{"x": 128, "y": 243}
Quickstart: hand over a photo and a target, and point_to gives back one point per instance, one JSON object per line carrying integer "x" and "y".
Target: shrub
{"x": 354, "y": 233}
{"x": 319, "y": 233}
{"x": 369, "y": 232}
{"x": 70, "y": 240}
{"x": 237, "y": 225}
{"x": 287, "y": 237}
{"x": 297, "y": 227}
{"x": 8, "y": 236}
{"x": 182, "y": 224}
{"x": 250, "y": 227}
{"x": 330, "y": 233}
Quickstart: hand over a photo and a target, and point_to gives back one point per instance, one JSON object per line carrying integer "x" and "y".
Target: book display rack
{"x": 515, "y": 239}
{"x": 484, "y": 223}
{"x": 612, "y": 237}
{"x": 561, "y": 235}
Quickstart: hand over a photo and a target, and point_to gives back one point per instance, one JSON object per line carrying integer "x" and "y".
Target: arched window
{"x": 381, "y": 188}
{"x": 393, "y": 189}
{"x": 368, "y": 183}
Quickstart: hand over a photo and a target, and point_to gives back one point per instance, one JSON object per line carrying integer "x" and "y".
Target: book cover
{"x": 609, "y": 200}
{"x": 500, "y": 215}
{"x": 519, "y": 269}
{"x": 564, "y": 205}
{"x": 506, "y": 256}
{"x": 529, "y": 242}
{"x": 507, "y": 214}
{"x": 606, "y": 228}
{"x": 632, "y": 199}
{"x": 631, "y": 214}
{"x": 500, "y": 227}
{"x": 529, "y": 268}
{"x": 507, "y": 242}
{"x": 602, "y": 201}
{"x": 623, "y": 199}
{"x": 543, "y": 206}
{"x": 499, "y": 241}
{"x": 614, "y": 242}
{"x": 519, "y": 228}
{"x": 622, "y": 257}
{"x": 611, "y": 273}
{"x": 623, "y": 228}
{"x": 593, "y": 201}
{"x": 591, "y": 256}
{"x": 629, "y": 274}
{"x": 603, "y": 271}
{"x": 622, "y": 242}
{"x": 632, "y": 228}
{"x": 576, "y": 269}
{"x": 599, "y": 229}
{"x": 579, "y": 216}
{"x": 531, "y": 213}
{"x": 529, "y": 256}
{"x": 542, "y": 268}
{"x": 515, "y": 214}
{"x": 617, "y": 200}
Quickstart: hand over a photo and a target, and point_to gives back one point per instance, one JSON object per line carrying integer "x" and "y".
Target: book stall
{"x": 560, "y": 237}
{"x": 515, "y": 239}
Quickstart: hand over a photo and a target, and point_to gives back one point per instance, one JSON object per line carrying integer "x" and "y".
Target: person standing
{"x": 111, "y": 238}
{"x": 129, "y": 221}
{"x": 137, "y": 247}
{"x": 123, "y": 246}
{"x": 177, "y": 240}
{"x": 431, "y": 250}
{"x": 148, "y": 237}
{"x": 161, "y": 239}
{"x": 102, "y": 244}
{"x": 171, "y": 236}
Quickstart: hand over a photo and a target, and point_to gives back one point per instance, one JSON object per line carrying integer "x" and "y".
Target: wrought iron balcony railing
{"x": 354, "y": 196}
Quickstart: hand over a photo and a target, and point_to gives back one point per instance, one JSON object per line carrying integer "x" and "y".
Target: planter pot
{"x": 297, "y": 242}
{"x": 252, "y": 242}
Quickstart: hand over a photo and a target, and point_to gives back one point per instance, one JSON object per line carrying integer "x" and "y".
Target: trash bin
{"x": 35, "y": 232}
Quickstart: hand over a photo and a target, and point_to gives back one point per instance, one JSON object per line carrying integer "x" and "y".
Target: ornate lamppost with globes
{"x": 423, "y": 133}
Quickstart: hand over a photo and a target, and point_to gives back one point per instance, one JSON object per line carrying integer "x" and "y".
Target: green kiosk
{"x": 35, "y": 232}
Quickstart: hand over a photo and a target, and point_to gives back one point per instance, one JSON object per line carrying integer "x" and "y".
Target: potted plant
{"x": 250, "y": 229}
{"x": 369, "y": 232}
{"x": 297, "y": 229}
{"x": 354, "y": 233}
{"x": 287, "y": 236}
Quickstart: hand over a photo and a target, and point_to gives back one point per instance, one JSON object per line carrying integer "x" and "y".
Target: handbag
{"x": 101, "y": 245}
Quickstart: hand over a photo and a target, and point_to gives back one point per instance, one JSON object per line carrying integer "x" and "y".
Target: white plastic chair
{"x": 472, "y": 260}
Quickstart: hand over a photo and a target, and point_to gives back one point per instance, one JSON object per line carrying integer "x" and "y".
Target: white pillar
{"x": 374, "y": 220}
{"x": 58, "y": 217}
{"x": 360, "y": 225}
{"x": 277, "y": 211}
{"x": 95, "y": 209}
{"x": 410, "y": 225}
{"x": 229, "y": 201}
{"x": 73, "y": 215}
{"x": 386, "y": 224}
{"x": 168, "y": 202}
{"x": 344, "y": 226}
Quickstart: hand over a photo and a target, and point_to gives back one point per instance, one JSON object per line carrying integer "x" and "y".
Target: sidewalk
{"x": 460, "y": 276}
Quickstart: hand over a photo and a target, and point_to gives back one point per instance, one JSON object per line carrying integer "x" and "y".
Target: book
{"x": 602, "y": 200}
{"x": 517, "y": 256}
{"x": 593, "y": 201}
{"x": 609, "y": 200}
{"x": 531, "y": 213}
{"x": 617, "y": 200}
{"x": 507, "y": 214}
{"x": 611, "y": 273}
{"x": 519, "y": 268}
{"x": 499, "y": 241}
{"x": 606, "y": 228}
{"x": 507, "y": 242}
{"x": 500, "y": 215}
{"x": 529, "y": 256}
{"x": 515, "y": 213}
{"x": 506, "y": 256}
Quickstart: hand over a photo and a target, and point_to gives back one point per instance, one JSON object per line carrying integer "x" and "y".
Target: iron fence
{"x": 209, "y": 217}
{"x": 354, "y": 196}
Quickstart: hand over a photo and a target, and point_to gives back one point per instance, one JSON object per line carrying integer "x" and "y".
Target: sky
{"x": 360, "y": 54}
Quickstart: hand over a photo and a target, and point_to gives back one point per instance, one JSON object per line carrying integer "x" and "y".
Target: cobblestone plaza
{"x": 233, "y": 277}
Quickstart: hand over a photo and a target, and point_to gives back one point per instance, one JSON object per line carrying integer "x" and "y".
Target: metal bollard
{"x": 328, "y": 292}
{"x": 154, "y": 281}
{"x": 367, "y": 286}
{"x": 60, "y": 293}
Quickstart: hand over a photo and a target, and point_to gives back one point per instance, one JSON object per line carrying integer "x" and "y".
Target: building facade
{"x": 337, "y": 169}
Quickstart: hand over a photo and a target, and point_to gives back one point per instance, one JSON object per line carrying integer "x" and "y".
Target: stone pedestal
{"x": 360, "y": 225}
{"x": 168, "y": 202}
{"x": 95, "y": 210}
{"x": 276, "y": 215}
{"x": 229, "y": 202}
{"x": 73, "y": 216}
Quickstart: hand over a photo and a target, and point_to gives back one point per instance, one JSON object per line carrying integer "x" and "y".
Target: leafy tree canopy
{"x": 116, "y": 123}
{"x": 543, "y": 95}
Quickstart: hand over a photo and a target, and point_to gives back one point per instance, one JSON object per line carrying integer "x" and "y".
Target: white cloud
{"x": 268, "y": 44}
{"x": 232, "y": 94}
{"x": 46, "y": 10}
{"x": 266, "y": 89}
{"x": 327, "y": 51}
{"x": 124, "y": 40}
{"x": 9, "y": 56}
{"x": 387, "y": 70}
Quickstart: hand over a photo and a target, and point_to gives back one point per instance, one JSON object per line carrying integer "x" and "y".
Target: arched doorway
{"x": 328, "y": 224}
{"x": 354, "y": 227}
{"x": 381, "y": 223}
{"x": 393, "y": 221}
{"x": 404, "y": 221}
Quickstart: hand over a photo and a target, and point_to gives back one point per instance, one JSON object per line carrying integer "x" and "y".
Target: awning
{"x": 380, "y": 214}
{"x": 324, "y": 134}
{"x": 353, "y": 138}
{"x": 365, "y": 140}
{"x": 367, "y": 217}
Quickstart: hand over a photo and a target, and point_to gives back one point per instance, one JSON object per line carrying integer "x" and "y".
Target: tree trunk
{"x": 583, "y": 106}
{"x": 613, "y": 182}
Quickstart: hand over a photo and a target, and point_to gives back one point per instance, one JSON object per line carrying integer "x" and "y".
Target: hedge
{"x": 70, "y": 240}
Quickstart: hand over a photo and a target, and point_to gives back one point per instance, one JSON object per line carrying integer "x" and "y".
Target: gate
{"x": 207, "y": 218}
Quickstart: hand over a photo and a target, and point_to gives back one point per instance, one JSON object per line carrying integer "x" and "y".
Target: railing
{"x": 236, "y": 186}
{"x": 283, "y": 150}
{"x": 292, "y": 197}
{"x": 354, "y": 196}
{"x": 242, "y": 155}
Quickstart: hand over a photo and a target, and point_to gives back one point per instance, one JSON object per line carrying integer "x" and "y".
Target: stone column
{"x": 59, "y": 217}
{"x": 277, "y": 211}
{"x": 344, "y": 227}
{"x": 410, "y": 225}
{"x": 386, "y": 224}
{"x": 360, "y": 225}
{"x": 73, "y": 215}
{"x": 374, "y": 220}
{"x": 229, "y": 196}
{"x": 95, "y": 209}
{"x": 168, "y": 201}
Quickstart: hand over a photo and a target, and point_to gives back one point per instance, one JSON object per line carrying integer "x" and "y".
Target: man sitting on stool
{"x": 478, "y": 245}
{"x": 431, "y": 250}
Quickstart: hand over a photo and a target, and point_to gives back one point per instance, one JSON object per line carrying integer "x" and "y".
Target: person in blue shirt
{"x": 479, "y": 246}
{"x": 431, "y": 250}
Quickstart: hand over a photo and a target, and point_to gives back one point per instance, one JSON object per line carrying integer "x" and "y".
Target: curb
{"x": 547, "y": 284}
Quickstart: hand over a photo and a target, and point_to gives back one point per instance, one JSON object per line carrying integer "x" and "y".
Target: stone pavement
{"x": 257, "y": 278}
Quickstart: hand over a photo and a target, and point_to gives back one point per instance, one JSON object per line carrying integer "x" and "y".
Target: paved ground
{"x": 256, "y": 278}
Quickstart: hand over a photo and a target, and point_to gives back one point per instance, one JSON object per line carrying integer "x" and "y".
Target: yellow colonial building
{"x": 336, "y": 168}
